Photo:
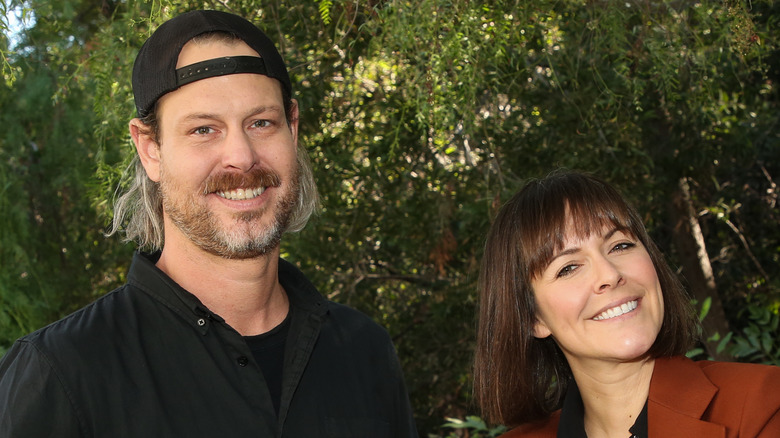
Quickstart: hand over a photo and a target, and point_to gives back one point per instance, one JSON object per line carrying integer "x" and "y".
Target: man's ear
{"x": 148, "y": 149}
{"x": 541, "y": 330}
{"x": 294, "y": 114}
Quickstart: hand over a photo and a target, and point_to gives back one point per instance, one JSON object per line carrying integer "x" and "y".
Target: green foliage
{"x": 759, "y": 339}
{"x": 420, "y": 118}
{"x": 52, "y": 250}
{"x": 324, "y": 9}
{"x": 475, "y": 427}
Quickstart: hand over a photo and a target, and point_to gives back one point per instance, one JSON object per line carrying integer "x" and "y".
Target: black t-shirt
{"x": 572, "y": 421}
{"x": 268, "y": 351}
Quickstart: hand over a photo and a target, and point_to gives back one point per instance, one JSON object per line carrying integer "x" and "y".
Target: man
{"x": 213, "y": 334}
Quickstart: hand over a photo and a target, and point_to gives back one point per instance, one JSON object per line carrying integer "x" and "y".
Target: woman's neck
{"x": 613, "y": 395}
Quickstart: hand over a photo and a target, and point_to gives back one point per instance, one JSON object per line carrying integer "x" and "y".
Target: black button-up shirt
{"x": 149, "y": 360}
{"x": 572, "y": 421}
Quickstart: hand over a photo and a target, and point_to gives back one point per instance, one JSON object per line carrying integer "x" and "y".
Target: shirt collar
{"x": 300, "y": 290}
{"x": 145, "y": 275}
{"x": 572, "y": 421}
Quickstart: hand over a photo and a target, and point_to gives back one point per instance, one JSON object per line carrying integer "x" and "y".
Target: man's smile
{"x": 241, "y": 194}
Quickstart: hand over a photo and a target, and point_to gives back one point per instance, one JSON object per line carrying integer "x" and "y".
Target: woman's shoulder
{"x": 741, "y": 376}
{"x": 727, "y": 377}
{"x": 740, "y": 396}
{"x": 749, "y": 391}
{"x": 547, "y": 428}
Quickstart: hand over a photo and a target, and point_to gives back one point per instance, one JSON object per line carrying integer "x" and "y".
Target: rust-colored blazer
{"x": 700, "y": 399}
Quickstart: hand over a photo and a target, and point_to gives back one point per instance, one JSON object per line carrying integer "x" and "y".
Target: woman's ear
{"x": 148, "y": 149}
{"x": 541, "y": 330}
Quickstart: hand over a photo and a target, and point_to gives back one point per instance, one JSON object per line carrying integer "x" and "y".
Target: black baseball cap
{"x": 155, "y": 73}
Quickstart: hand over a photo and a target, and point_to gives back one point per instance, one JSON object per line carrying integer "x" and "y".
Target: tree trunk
{"x": 698, "y": 270}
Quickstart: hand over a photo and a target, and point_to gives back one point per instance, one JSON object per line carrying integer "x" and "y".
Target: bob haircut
{"x": 519, "y": 378}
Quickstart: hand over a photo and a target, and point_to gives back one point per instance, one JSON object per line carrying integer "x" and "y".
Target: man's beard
{"x": 246, "y": 238}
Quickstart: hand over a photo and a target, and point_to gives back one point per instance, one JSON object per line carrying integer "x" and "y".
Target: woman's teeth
{"x": 617, "y": 311}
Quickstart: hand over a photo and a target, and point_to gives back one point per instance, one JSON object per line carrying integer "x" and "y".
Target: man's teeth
{"x": 242, "y": 194}
{"x": 617, "y": 311}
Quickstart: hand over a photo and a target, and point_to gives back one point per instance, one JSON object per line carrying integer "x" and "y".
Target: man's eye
{"x": 261, "y": 123}
{"x": 203, "y": 130}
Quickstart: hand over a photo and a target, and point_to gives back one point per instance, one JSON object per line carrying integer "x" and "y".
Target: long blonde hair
{"x": 138, "y": 210}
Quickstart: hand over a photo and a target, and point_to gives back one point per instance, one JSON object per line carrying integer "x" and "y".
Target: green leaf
{"x": 705, "y": 308}
{"x": 724, "y": 342}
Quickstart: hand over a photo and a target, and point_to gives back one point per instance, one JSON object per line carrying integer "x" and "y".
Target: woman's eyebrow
{"x": 611, "y": 233}
{"x": 565, "y": 252}
{"x": 575, "y": 249}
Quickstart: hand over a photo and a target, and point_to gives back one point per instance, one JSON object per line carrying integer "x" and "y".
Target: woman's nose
{"x": 608, "y": 274}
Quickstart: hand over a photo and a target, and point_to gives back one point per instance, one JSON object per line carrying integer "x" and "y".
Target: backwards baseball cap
{"x": 155, "y": 73}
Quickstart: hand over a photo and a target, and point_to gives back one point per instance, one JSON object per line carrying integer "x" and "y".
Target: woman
{"x": 584, "y": 327}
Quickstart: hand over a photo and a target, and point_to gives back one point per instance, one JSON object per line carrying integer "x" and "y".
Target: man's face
{"x": 227, "y": 159}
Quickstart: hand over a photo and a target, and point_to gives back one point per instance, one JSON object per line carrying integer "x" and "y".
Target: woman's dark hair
{"x": 519, "y": 378}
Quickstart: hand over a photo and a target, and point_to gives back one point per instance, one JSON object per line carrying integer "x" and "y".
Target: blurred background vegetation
{"x": 421, "y": 118}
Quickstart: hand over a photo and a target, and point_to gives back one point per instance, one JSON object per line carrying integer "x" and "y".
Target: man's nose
{"x": 239, "y": 151}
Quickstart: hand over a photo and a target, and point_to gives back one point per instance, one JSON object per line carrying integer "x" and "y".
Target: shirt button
{"x": 242, "y": 361}
{"x": 201, "y": 322}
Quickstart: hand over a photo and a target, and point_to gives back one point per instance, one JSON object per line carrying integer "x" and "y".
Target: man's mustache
{"x": 227, "y": 181}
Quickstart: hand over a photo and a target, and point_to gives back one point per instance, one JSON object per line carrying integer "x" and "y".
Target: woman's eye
{"x": 622, "y": 246}
{"x": 566, "y": 270}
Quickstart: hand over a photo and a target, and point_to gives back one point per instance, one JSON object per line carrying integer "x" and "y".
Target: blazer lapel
{"x": 679, "y": 395}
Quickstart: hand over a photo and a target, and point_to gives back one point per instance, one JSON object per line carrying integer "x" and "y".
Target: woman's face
{"x": 599, "y": 298}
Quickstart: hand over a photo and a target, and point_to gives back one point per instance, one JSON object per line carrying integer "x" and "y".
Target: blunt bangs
{"x": 517, "y": 377}
{"x": 573, "y": 203}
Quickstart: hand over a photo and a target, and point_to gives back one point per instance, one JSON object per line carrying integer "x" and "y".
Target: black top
{"x": 572, "y": 421}
{"x": 268, "y": 351}
{"x": 150, "y": 360}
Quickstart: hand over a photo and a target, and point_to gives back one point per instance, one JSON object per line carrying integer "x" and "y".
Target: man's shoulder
{"x": 305, "y": 296}
{"x": 354, "y": 321}
{"x": 84, "y": 326}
